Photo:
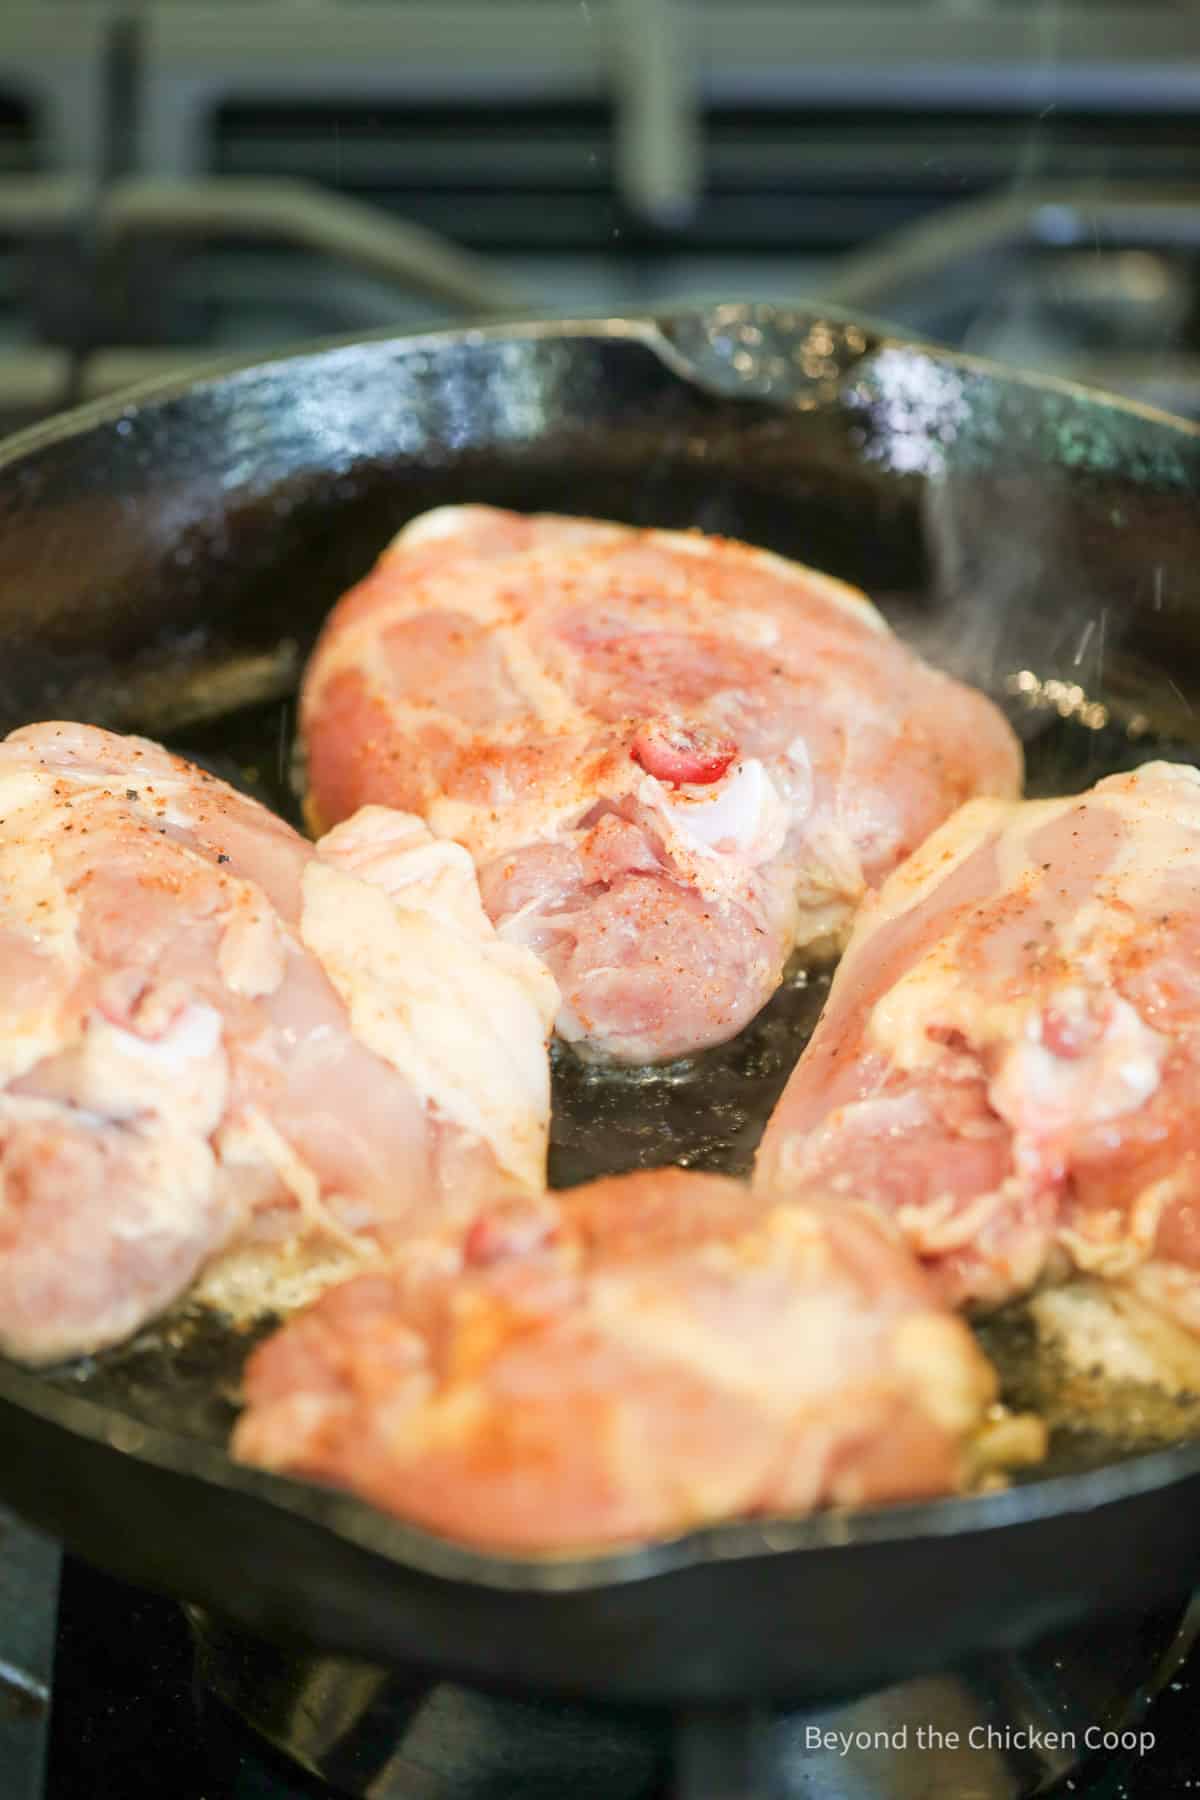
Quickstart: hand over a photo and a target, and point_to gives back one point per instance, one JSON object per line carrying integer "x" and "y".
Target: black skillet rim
{"x": 353, "y": 1520}
{"x": 655, "y": 331}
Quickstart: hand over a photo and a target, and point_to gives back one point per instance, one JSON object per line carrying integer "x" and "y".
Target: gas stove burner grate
{"x": 1007, "y": 1728}
{"x": 29, "y": 1565}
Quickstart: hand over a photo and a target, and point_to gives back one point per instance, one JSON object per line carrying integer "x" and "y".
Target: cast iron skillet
{"x": 153, "y": 550}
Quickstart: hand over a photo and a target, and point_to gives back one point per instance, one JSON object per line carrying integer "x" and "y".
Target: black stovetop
{"x": 129, "y": 1720}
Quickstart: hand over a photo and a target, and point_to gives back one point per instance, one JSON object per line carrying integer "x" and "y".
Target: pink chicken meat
{"x": 675, "y": 759}
{"x": 212, "y": 1032}
{"x": 641, "y": 1357}
{"x": 1009, "y": 1060}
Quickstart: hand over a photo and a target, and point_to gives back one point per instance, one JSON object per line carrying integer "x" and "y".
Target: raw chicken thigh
{"x": 211, "y": 1031}
{"x": 1009, "y": 1061}
{"x": 675, "y": 759}
{"x": 632, "y": 1359}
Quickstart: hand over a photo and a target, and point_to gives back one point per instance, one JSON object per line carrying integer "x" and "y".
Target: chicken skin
{"x": 212, "y": 1032}
{"x": 630, "y": 1359}
{"x": 675, "y": 759}
{"x": 1009, "y": 1061}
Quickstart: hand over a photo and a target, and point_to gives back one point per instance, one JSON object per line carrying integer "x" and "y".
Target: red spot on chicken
{"x": 510, "y": 1228}
{"x": 682, "y": 754}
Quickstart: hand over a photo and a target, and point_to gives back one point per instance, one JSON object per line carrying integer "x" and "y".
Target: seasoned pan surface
{"x": 163, "y": 567}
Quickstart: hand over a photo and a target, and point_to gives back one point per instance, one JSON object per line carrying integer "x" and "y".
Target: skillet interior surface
{"x": 164, "y": 564}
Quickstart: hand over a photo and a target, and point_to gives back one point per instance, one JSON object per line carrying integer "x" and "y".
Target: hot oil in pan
{"x": 706, "y": 1112}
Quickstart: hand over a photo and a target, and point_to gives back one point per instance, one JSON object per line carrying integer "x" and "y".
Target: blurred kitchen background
{"x": 181, "y": 181}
